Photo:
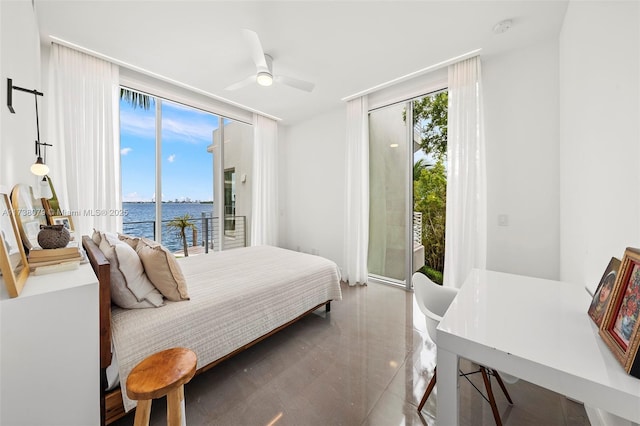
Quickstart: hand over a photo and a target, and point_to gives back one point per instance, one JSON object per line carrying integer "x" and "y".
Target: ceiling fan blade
{"x": 296, "y": 83}
{"x": 242, "y": 83}
{"x": 257, "y": 53}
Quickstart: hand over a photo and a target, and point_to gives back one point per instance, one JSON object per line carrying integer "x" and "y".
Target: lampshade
{"x": 45, "y": 189}
{"x": 39, "y": 168}
{"x": 264, "y": 78}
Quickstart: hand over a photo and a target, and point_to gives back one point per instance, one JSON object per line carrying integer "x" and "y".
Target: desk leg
{"x": 447, "y": 396}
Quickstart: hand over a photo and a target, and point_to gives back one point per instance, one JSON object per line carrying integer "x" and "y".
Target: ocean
{"x": 139, "y": 221}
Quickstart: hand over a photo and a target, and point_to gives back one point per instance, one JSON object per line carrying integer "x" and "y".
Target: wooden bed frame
{"x": 111, "y": 406}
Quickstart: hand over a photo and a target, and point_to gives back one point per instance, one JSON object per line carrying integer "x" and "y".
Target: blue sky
{"x": 187, "y": 167}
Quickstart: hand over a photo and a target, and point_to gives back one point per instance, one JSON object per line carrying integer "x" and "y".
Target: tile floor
{"x": 365, "y": 363}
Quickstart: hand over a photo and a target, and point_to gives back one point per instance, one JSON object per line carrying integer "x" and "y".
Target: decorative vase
{"x": 53, "y": 236}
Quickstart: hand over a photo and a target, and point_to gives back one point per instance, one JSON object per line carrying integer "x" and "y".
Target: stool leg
{"x": 143, "y": 410}
{"x": 175, "y": 407}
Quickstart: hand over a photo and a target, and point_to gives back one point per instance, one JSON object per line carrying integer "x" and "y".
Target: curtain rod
{"x": 411, "y": 75}
{"x": 118, "y": 62}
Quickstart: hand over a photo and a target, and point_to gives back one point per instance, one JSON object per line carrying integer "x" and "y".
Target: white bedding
{"x": 236, "y": 296}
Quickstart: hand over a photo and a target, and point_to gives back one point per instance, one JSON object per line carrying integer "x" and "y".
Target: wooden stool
{"x": 163, "y": 373}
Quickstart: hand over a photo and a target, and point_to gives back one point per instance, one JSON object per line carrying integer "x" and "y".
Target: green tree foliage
{"x": 418, "y": 166}
{"x": 180, "y": 223}
{"x": 430, "y": 181}
{"x": 430, "y": 194}
{"x": 430, "y": 117}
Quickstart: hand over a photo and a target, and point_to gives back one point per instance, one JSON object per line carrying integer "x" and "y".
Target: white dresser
{"x": 49, "y": 351}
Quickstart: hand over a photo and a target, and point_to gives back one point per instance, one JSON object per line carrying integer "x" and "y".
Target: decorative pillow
{"x": 96, "y": 237}
{"x": 163, "y": 270}
{"x": 129, "y": 239}
{"x": 130, "y": 287}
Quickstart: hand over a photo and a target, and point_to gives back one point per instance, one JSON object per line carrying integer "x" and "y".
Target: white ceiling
{"x": 343, "y": 47}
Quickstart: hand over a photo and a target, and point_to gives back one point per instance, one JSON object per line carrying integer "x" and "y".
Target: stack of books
{"x": 45, "y": 257}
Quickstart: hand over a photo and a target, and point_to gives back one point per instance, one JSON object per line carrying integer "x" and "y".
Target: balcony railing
{"x": 206, "y": 232}
{"x": 417, "y": 227}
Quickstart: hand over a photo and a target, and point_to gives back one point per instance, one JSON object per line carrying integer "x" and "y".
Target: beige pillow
{"x": 130, "y": 287}
{"x": 129, "y": 239}
{"x": 96, "y": 237}
{"x": 163, "y": 270}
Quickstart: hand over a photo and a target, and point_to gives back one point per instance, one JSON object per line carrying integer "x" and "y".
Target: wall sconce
{"x": 39, "y": 168}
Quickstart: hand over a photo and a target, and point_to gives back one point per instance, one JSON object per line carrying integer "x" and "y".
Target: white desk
{"x": 534, "y": 329}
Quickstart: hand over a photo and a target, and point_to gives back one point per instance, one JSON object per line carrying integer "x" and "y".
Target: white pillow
{"x": 130, "y": 287}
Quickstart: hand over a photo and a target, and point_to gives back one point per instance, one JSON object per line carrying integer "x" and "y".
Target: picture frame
{"x": 27, "y": 209}
{"x": 602, "y": 296}
{"x": 13, "y": 259}
{"x": 620, "y": 326}
{"x": 63, "y": 220}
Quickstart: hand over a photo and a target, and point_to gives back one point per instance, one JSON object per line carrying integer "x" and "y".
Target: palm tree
{"x": 135, "y": 99}
{"x": 418, "y": 166}
{"x": 180, "y": 223}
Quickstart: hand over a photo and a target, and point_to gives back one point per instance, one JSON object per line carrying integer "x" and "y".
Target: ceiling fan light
{"x": 264, "y": 78}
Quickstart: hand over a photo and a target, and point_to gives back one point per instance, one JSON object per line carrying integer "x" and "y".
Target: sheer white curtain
{"x": 264, "y": 216}
{"x": 356, "y": 233}
{"x": 466, "y": 236}
{"x": 84, "y": 131}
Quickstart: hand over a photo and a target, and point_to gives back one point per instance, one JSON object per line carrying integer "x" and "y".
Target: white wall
{"x": 521, "y": 115}
{"x": 599, "y": 136}
{"x": 20, "y": 61}
{"x": 312, "y": 175}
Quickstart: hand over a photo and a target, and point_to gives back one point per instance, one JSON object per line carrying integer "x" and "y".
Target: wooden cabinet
{"x": 49, "y": 351}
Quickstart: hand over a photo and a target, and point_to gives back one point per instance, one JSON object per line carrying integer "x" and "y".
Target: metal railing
{"x": 417, "y": 227}
{"x": 206, "y": 232}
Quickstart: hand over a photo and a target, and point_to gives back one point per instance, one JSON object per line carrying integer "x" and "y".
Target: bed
{"x": 237, "y": 298}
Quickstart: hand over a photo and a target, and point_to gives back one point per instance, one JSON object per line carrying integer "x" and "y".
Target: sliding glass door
{"x": 390, "y": 168}
{"x": 407, "y": 186}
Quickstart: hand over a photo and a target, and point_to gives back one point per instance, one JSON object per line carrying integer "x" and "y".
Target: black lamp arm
{"x": 11, "y": 88}
{"x": 38, "y": 145}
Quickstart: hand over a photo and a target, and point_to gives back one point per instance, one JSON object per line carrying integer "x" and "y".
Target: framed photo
{"x": 602, "y": 295}
{"x": 619, "y": 328}
{"x": 63, "y": 220}
{"x": 13, "y": 261}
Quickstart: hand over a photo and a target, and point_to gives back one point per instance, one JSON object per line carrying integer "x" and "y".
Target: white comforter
{"x": 236, "y": 296}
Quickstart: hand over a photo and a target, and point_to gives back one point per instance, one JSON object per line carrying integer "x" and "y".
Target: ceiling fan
{"x": 264, "y": 68}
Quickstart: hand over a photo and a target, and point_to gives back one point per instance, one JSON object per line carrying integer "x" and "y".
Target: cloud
{"x": 190, "y": 131}
{"x": 179, "y": 124}
{"x": 125, "y": 151}
{"x": 171, "y": 158}
{"x": 137, "y": 124}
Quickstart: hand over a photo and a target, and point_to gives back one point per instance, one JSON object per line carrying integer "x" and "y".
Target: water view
{"x": 140, "y": 221}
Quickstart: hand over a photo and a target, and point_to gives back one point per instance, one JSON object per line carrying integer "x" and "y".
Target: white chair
{"x": 434, "y": 300}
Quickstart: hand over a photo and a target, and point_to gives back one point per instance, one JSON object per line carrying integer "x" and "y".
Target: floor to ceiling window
{"x": 170, "y": 174}
{"x": 407, "y": 163}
